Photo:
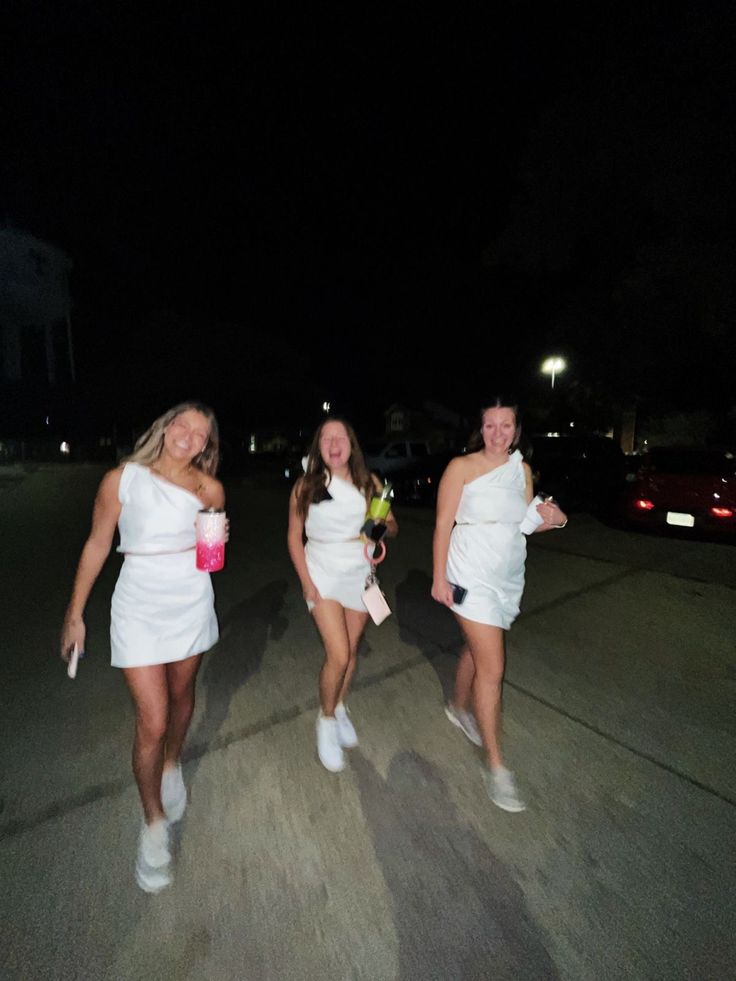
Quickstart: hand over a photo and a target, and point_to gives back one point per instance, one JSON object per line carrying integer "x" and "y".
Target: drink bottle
{"x": 375, "y": 520}
{"x": 210, "y": 526}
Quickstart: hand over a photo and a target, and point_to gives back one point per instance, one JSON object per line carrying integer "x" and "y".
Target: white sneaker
{"x": 153, "y": 863}
{"x": 501, "y": 788}
{"x": 465, "y": 721}
{"x": 173, "y": 793}
{"x": 329, "y": 749}
{"x": 346, "y": 733}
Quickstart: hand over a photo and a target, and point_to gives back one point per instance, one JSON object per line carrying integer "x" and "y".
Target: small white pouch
{"x": 374, "y": 600}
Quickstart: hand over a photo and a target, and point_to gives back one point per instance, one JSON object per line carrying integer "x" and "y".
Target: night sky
{"x": 366, "y": 206}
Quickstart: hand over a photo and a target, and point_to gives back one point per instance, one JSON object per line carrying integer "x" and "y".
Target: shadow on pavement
{"x": 427, "y": 625}
{"x": 458, "y": 912}
{"x": 244, "y": 636}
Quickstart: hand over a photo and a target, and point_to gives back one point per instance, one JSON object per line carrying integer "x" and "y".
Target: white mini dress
{"x": 163, "y": 606}
{"x": 334, "y": 553}
{"x": 487, "y": 549}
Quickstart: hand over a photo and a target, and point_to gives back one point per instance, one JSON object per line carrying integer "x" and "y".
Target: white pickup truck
{"x": 392, "y": 455}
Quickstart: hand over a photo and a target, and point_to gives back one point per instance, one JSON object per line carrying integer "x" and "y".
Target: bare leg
{"x": 181, "y": 677}
{"x": 356, "y": 623}
{"x": 149, "y": 690}
{"x": 464, "y": 679}
{"x": 330, "y": 619}
{"x": 487, "y": 649}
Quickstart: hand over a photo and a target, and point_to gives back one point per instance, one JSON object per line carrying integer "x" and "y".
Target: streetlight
{"x": 553, "y": 366}
{"x": 325, "y": 406}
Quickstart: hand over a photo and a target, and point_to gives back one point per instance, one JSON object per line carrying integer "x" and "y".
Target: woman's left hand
{"x": 551, "y": 513}
{"x": 442, "y": 592}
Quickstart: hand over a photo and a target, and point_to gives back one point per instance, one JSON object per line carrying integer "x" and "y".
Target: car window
{"x": 604, "y": 450}
{"x": 554, "y": 449}
{"x": 395, "y": 449}
{"x": 418, "y": 449}
{"x": 610, "y": 450}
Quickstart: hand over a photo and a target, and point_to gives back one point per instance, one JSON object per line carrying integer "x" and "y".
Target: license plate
{"x": 683, "y": 520}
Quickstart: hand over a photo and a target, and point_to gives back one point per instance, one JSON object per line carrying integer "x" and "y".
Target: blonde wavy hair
{"x": 149, "y": 446}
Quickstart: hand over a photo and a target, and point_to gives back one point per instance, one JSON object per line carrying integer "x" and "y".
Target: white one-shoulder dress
{"x": 334, "y": 553}
{"x": 487, "y": 550}
{"x": 163, "y": 606}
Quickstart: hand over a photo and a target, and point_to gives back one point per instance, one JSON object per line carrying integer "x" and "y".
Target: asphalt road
{"x": 619, "y": 721}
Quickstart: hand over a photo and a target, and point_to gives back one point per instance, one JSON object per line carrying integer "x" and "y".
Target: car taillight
{"x": 721, "y": 512}
{"x": 642, "y": 504}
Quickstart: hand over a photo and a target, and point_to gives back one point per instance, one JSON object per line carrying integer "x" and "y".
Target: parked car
{"x": 685, "y": 490}
{"x": 390, "y": 455}
{"x": 584, "y": 472}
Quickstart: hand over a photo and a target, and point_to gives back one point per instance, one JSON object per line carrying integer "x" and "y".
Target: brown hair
{"x": 312, "y": 484}
{"x": 475, "y": 442}
{"x": 149, "y": 446}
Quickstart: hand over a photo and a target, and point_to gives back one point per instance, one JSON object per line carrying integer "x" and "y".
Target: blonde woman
{"x": 163, "y": 615}
{"x": 328, "y": 506}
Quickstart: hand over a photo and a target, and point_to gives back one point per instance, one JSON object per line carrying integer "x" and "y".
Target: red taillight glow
{"x": 643, "y": 504}
{"x": 721, "y": 512}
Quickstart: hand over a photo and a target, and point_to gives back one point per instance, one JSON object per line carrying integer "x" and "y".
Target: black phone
{"x": 374, "y": 530}
{"x": 378, "y": 532}
{"x": 458, "y": 593}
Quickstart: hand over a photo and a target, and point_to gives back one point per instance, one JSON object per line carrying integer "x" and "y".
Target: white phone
{"x": 73, "y": 662}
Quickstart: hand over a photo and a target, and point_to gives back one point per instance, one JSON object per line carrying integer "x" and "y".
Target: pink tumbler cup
{"x": 210, "y": 539}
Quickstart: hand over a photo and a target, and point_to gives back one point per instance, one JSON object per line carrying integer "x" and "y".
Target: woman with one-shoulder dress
{"x": 162, "y": 615}
{"x": 484, "y": 509}
{"x": 327, "y": 510}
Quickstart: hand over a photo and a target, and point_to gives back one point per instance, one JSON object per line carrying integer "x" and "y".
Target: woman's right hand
{"x": 73, "y": 632}
{"x": 311, "y": 593}
{"x": 442, "y": 592}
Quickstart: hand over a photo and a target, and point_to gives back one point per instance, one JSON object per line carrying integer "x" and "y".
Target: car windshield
{"x": 674, "y": 461}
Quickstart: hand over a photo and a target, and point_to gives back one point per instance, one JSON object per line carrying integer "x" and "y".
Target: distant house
{"x": 403, "y": 420}
{"x": 438, "y": 425}
{"x": 35, "y": 325}
{"x": 277, "y": 443}
{"x": 269, "y": 441}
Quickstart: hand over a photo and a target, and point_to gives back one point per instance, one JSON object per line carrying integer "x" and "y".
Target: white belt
{"x": 176, "y": 551}
{"x": 320, "y": 541}
{"x": 493, "y": 522}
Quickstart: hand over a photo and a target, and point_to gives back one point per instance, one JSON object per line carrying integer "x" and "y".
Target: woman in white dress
{"x": 479, "y": 546}
{"x": 328, "y": 506}
{"x": 163, "y": 615}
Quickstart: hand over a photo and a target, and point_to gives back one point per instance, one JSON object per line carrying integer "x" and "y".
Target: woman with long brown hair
{"x": 163, "y": 615}
{"x": 483, "y": 506}
{"x": 328, "y": 506}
